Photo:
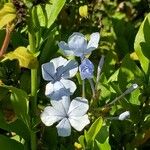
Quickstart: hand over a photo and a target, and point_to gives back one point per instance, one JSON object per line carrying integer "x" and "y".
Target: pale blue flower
{"x": 124, "y": 115}
{"x": 57, "y": 72}
{"x": 86, "y": 69}
{"x": 67, "y": 114}
{"x": 77, "y": 44}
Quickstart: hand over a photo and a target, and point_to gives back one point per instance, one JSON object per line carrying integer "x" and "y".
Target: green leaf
{"x": 129, "y": 72}
{"x": 102, "y": 139}
{"x": 9, "y": 144}
{"x": 20, "y": 102}
{"x": 134, "y": 97}
{"x": 105, "y": 92}
{"x": 25, "y": 58}
{"x": 47, "y": 14}
{"x": 3, "y": 93}
{"x": 7, "y": 14}
{"x": 17, "y": 126}
{"x": 125, "y": 33}
{"x": 53, "y": 10}
{"x": 81, "y": 139}
{"x": 143, "y": 36}
{"x": 103, "y": 146}
{"x": 94, "y": 130}
{"x": 49, "y": 41}
{"x": 109, "y": 65}
{"x": 10, "y": 72}
{"x": 50, "y": 137}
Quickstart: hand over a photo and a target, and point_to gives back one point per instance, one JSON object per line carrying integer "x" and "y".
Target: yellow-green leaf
{"x": 45, "y": 15}
{"x": 141, "y": 38}
{"x": 7, "y": 14}
{"x": 134, "y": 56}
{"x": 83, "y": 11}
{"x": 26, "y": 59}
{"x": 93, "y": 131}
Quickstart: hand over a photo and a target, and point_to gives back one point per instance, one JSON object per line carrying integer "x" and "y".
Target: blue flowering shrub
{"x": 74, "y": 75}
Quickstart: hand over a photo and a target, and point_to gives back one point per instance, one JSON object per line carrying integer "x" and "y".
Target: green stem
{"x": 83, "y": 88}
{"x": 33, "y": 92}
{"x": 92, "y": 87}
{"x": 33, "y": 140}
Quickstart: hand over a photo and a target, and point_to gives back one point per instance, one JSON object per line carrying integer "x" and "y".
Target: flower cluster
{"x": 77, "y": 46}
{"x": 59, "y": 88}
{"x": 58, "y": 73}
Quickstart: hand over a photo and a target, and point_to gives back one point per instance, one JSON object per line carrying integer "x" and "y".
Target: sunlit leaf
{"x": 26, "y": 59}
{"x": 129, "y": 72}
{"x": 7, "y": 14}
{"x": 143, "y": 36}
{"x": 83, "y": 11}
{"x": 109, "y": 64}
{"x": 134, "y": 56}
{"x": 94, "y": 130}
{"x": 45, "y": 15}
{"x": 103, "y": 146}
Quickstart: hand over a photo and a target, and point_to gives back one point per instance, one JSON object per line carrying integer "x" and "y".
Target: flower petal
{"x": 78, "y": 107}
{"x": 64, "y": 128}
{"x": 49, "y": 116}
{"x": 64, "y": 46}
{"x": 79, "y": 123}
{"x": 48, "y": 71}
{"x": 69, "y": 69}
{"x": 62, "y": 105}
{"x": 59, "y": 89}
{"x": 56, "y": 90}
{"x": 49, "y": 89}
{"x": 93, "y": 43}
{"x": 77, "y": 43}
{"x": 69, "y": 85}
{"x": 58, "y": 62}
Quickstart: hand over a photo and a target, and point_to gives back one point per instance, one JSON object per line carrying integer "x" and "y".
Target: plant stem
{"x": 83, "y": 88}
{"x": 92, "y": 87}
{"x": 33, "y": 92}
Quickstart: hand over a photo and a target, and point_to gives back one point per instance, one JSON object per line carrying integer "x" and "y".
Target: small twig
{"x": 6, "y": 40}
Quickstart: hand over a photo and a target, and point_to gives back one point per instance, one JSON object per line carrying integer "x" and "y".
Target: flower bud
{"x": 131, "y": 88}
{"x": 124, "y": 115}
{"x": 86, "y": 69}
